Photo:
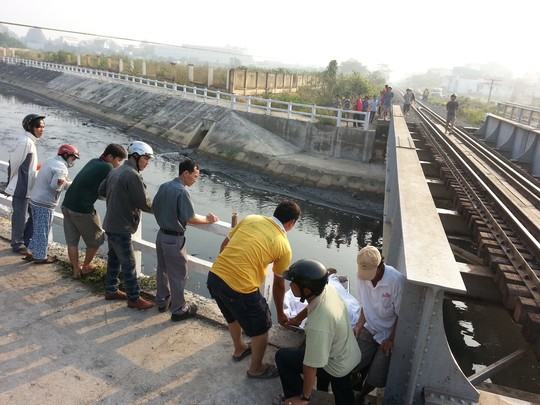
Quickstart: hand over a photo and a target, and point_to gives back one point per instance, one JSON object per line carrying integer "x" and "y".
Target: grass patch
{"x": 96, "y": 279}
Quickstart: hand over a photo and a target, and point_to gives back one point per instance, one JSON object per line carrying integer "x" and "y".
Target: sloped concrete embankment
{"x": 300, "y": 152}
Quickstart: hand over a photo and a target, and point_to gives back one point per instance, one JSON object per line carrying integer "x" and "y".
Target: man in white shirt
{"x": 379, "y": 293}
{"x": 22, "y": 171}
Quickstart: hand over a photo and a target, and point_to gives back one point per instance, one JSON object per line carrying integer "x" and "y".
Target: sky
{"x": 409, "y": 36}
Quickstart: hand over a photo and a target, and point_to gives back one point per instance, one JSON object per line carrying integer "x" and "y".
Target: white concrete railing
{"x": 307, "y": 112}
{"x": 143, "y": 246}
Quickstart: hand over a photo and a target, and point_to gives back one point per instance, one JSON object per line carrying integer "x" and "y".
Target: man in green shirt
{"x": 331, "y": 351}
{"x": 80, "y": 217}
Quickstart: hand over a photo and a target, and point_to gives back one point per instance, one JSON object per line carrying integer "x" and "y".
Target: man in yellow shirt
{"x": 239, "y": 271}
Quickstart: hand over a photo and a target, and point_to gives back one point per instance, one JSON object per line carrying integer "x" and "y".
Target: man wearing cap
{"x": 379, "y": 294}
{"x": 22, "y": 172}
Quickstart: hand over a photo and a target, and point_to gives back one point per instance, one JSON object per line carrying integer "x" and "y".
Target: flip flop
{"x": 86, "y": 270}
{"x": 28, "y": 257}
{"x": 243, "y": 355}
{"x": 269, "y": 372}
{"x": 48, "y": 260}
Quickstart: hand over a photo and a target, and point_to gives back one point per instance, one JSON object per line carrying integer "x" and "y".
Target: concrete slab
{"x": 60, "y": 343}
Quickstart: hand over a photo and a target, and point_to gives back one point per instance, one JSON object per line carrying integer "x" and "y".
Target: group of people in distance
{"x": 380, "y": 105}
{"x": 334, "y": 347}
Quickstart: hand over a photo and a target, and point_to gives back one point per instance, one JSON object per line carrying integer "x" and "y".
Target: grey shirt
{"x": 172, "y": 206}
{"x": 125, "y": 192}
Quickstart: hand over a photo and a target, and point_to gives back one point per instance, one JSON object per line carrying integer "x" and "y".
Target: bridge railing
{"x": 422, "y": 367}
{"x": 523, "y": 114}
{"x": 284, "y": 109}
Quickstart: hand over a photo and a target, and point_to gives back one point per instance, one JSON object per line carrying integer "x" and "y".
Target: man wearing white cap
{"x": 379, "y": 294}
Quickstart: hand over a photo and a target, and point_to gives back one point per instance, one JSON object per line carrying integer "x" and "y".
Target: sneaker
{"x": 190, "y": 311}
{"x": 22, "y": 250}
{"x": 140, "y": 304}
{"x": 165, "y": 306}
{"x": 117, "y": 295}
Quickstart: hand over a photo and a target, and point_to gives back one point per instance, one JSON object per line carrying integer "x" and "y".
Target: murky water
{"x": 331, "y": 236}
{"x": 328, "y": 235}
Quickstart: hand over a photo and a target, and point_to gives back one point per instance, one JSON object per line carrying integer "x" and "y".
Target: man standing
{"x": 22, "y": 171}
{"x": 125, "y": 192}
{"x": 379, "y": 293}
{"x": 239, "y": 271}
{"x": 408, "y": 99}
{"x": 80, "y": 217}
{"x": 451, "y": 111}
{"x": 51, "y": 180}
{"x": 331, "y": 351}
{"x": 173, "y": 210}
{"x": 388, "y": 99}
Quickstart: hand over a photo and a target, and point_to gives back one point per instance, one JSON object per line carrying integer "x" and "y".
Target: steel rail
{"x": 529, "y": 187}
{"x": 515, "y": 257}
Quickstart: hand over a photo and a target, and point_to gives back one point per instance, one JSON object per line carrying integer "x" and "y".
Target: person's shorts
{"x": 387, "y": 108}
{"x": 451, "y": 118}
{"x": 250, "y": 310}
{"x": 87, "y": 226}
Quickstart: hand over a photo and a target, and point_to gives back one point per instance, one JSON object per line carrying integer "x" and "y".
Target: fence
{"x": 250, "y": 104}
{"x": 520, "y": 113}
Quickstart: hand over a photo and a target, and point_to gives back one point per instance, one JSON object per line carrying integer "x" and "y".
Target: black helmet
{"x": 29, "y": 119}
{"x": 308, "y": 274}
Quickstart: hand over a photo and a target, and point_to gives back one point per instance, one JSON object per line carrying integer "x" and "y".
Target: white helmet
{"x": 140, "y": 148}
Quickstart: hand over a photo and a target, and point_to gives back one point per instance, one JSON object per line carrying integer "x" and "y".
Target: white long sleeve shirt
{"x": 46, "y": 190}
{"x": 22, "y": 166}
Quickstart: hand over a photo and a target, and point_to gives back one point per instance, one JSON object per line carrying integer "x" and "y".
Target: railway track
{"x": 501, "y": 205}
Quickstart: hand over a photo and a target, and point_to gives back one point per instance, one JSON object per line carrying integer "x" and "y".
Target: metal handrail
{"x": 339, "y": 116}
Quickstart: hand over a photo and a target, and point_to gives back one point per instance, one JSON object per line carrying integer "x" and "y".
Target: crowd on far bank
{"x": 348, "y": 341}
{"x": 371, "y": 105}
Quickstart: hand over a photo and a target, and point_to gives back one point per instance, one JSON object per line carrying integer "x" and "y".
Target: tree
{"x": 10, "y": 42}
{"x": 352, "y": 66}
{"x": 330, "y": 77}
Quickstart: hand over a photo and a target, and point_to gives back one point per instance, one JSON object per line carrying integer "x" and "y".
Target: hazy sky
{"x": 407, "y": 35}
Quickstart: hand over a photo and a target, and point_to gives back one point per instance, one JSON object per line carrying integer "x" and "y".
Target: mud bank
{"x": 307, "y": 155}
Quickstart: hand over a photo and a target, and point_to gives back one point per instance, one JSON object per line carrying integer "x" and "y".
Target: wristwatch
{"x": 304, "y": 398}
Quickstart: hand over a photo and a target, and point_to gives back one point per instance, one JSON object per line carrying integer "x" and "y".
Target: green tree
{"x": 10, "y": 42}
{"x": 330, "y": 76}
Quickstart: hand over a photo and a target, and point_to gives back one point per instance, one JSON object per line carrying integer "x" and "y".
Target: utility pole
{"x": 491, "y": 83}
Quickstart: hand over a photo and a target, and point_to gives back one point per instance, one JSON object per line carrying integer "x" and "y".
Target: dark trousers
{"x": 121, "y": 255}
{"x": 290, "y": 364}
{"x": 21, "y": 223}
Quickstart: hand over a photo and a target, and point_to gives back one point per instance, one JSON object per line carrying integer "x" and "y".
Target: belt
{"x": 174, "y": 233}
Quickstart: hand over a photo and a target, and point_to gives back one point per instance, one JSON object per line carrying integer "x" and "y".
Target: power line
{"x": 127, "y": 39}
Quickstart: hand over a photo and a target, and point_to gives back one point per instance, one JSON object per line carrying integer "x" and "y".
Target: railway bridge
{"x": 460, "y": 219}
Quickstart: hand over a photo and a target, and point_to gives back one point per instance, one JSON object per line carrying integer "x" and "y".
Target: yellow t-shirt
{"x": 253, "y": 244}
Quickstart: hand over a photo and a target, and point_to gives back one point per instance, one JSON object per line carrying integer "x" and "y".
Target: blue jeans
{"x": 121, "y": 255}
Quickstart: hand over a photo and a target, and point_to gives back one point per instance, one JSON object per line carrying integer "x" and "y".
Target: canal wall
{"x": 300, "y": 152}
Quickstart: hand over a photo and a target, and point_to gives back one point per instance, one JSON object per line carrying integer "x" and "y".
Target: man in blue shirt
{"x": 173, "y": 210}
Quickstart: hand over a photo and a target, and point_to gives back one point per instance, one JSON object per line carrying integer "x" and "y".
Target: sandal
{"x": 243, "y": 355}
{"x": 269, "y": 372}
{"x": 86, "y": 270}
{"x": 28, "y": 258}
{"x": 48, "y": 260}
